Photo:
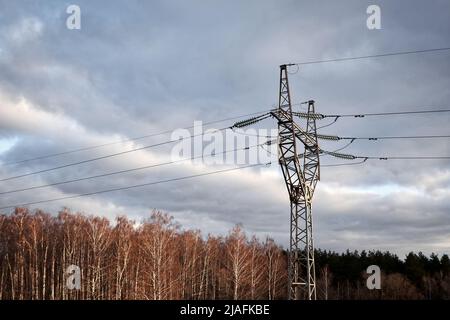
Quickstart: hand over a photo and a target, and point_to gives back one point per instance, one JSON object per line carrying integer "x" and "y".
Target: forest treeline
{"x": 157, "y": 259}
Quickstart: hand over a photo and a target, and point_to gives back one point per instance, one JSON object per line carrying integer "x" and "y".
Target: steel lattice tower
{"x": 301, "y": 173}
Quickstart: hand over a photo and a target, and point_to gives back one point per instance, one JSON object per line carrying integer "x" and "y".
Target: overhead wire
{"x": 338, "y": 155}
{"x": 335, "y": 154}
{"x": 395, "y": 137}
{"x": 336, "y": 117}
{"x": 345, "y": 146}
{"x": 375, "y": 138}
{"x": 344, "y": 164}
{"x": 365, "y": 158}
{"x": 125, "y": 140}
{"x": 409, "y": 158}
{"x": 133, "y": 186}
{"x": 103, "y": 157}
{"x": 353, "y": 157}
{"x": 320, "y": 116}
{"x": 128, "y": 170}
{"x": 231, "y": 118}
{"x": 331, "y": 123}
{"x": 370, "y": 56}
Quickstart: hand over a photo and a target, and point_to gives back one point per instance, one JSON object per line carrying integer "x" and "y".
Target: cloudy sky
{"x": 140, "y": 67}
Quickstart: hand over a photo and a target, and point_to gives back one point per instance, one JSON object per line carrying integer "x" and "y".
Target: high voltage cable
{"x": 362, "y": 115}
{"x": 128, "y": 170}
{"x": 125, "y": 140}
{"x": 345, "y": 146}
{"x": 338, "y": 138}
{"x": 350, "y": 157}
{"x": 369, "y": 56}
{"x": 329, "y": 124}
{"x": 319, "y": 116}
{"x": 407, "y": 158}
{"x": 353, "y": 157}
{"x": 104, "y": 157}
{"x": 218, "y": 121}
{"x": 259, "y": 118}
{"x": 364, "y": 159}
{"x": 134, "y": 186}
{"x": 110, "y": 155}
{"x": 395, "y": 137}
{"x": 343, "y": 164}
{"x": 231, "y": 118}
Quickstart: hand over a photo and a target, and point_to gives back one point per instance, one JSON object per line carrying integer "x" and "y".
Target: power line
{"x": 336, "y": 117}
{"x": 194, "y": 176}
{"x": 408, "y": 158}
{"x": 111, "y": 155}
{"x": 344, "y": 164}
{"x": 364, "y": 159}
{"x": 353, "y": 139}
{"x": 345, "y": 146}
{"x": 103, "y": 157}
{"x": 128, "y": 170}
{"x": 395, "y": 137}
{"x": 362, "y": 115}
{"x": 125, "y": 140}
{"x": 267, "y": 150}
{"x": 262, "y": 117}
{"x": 320, "y": 116}
{"x": 369, "y": 56}
{"x": 353, "y": 157}
{"x": 375, "y": 138}
{"x": 231, "y": 118}
{"x": 134, "y": 186}
{"x": 329, "y": 124}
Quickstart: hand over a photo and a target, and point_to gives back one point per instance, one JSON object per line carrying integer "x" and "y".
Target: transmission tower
{"x": 301, "y": 173}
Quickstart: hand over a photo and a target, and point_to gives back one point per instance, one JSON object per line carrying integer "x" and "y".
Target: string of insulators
{"x": 317, "y": 116}
{"x": 328, "y": 137}
{"x": 340, "y": 155}
{"x": 249, "y": 122}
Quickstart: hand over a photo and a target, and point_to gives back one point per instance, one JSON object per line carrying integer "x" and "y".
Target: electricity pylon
{"x": 301, "y": 173}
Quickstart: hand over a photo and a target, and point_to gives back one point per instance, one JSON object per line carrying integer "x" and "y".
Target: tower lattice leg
{"x": 301, "y": 173}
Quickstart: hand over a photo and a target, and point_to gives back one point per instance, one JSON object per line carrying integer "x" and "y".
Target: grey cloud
{"x": 140, "y": 67}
